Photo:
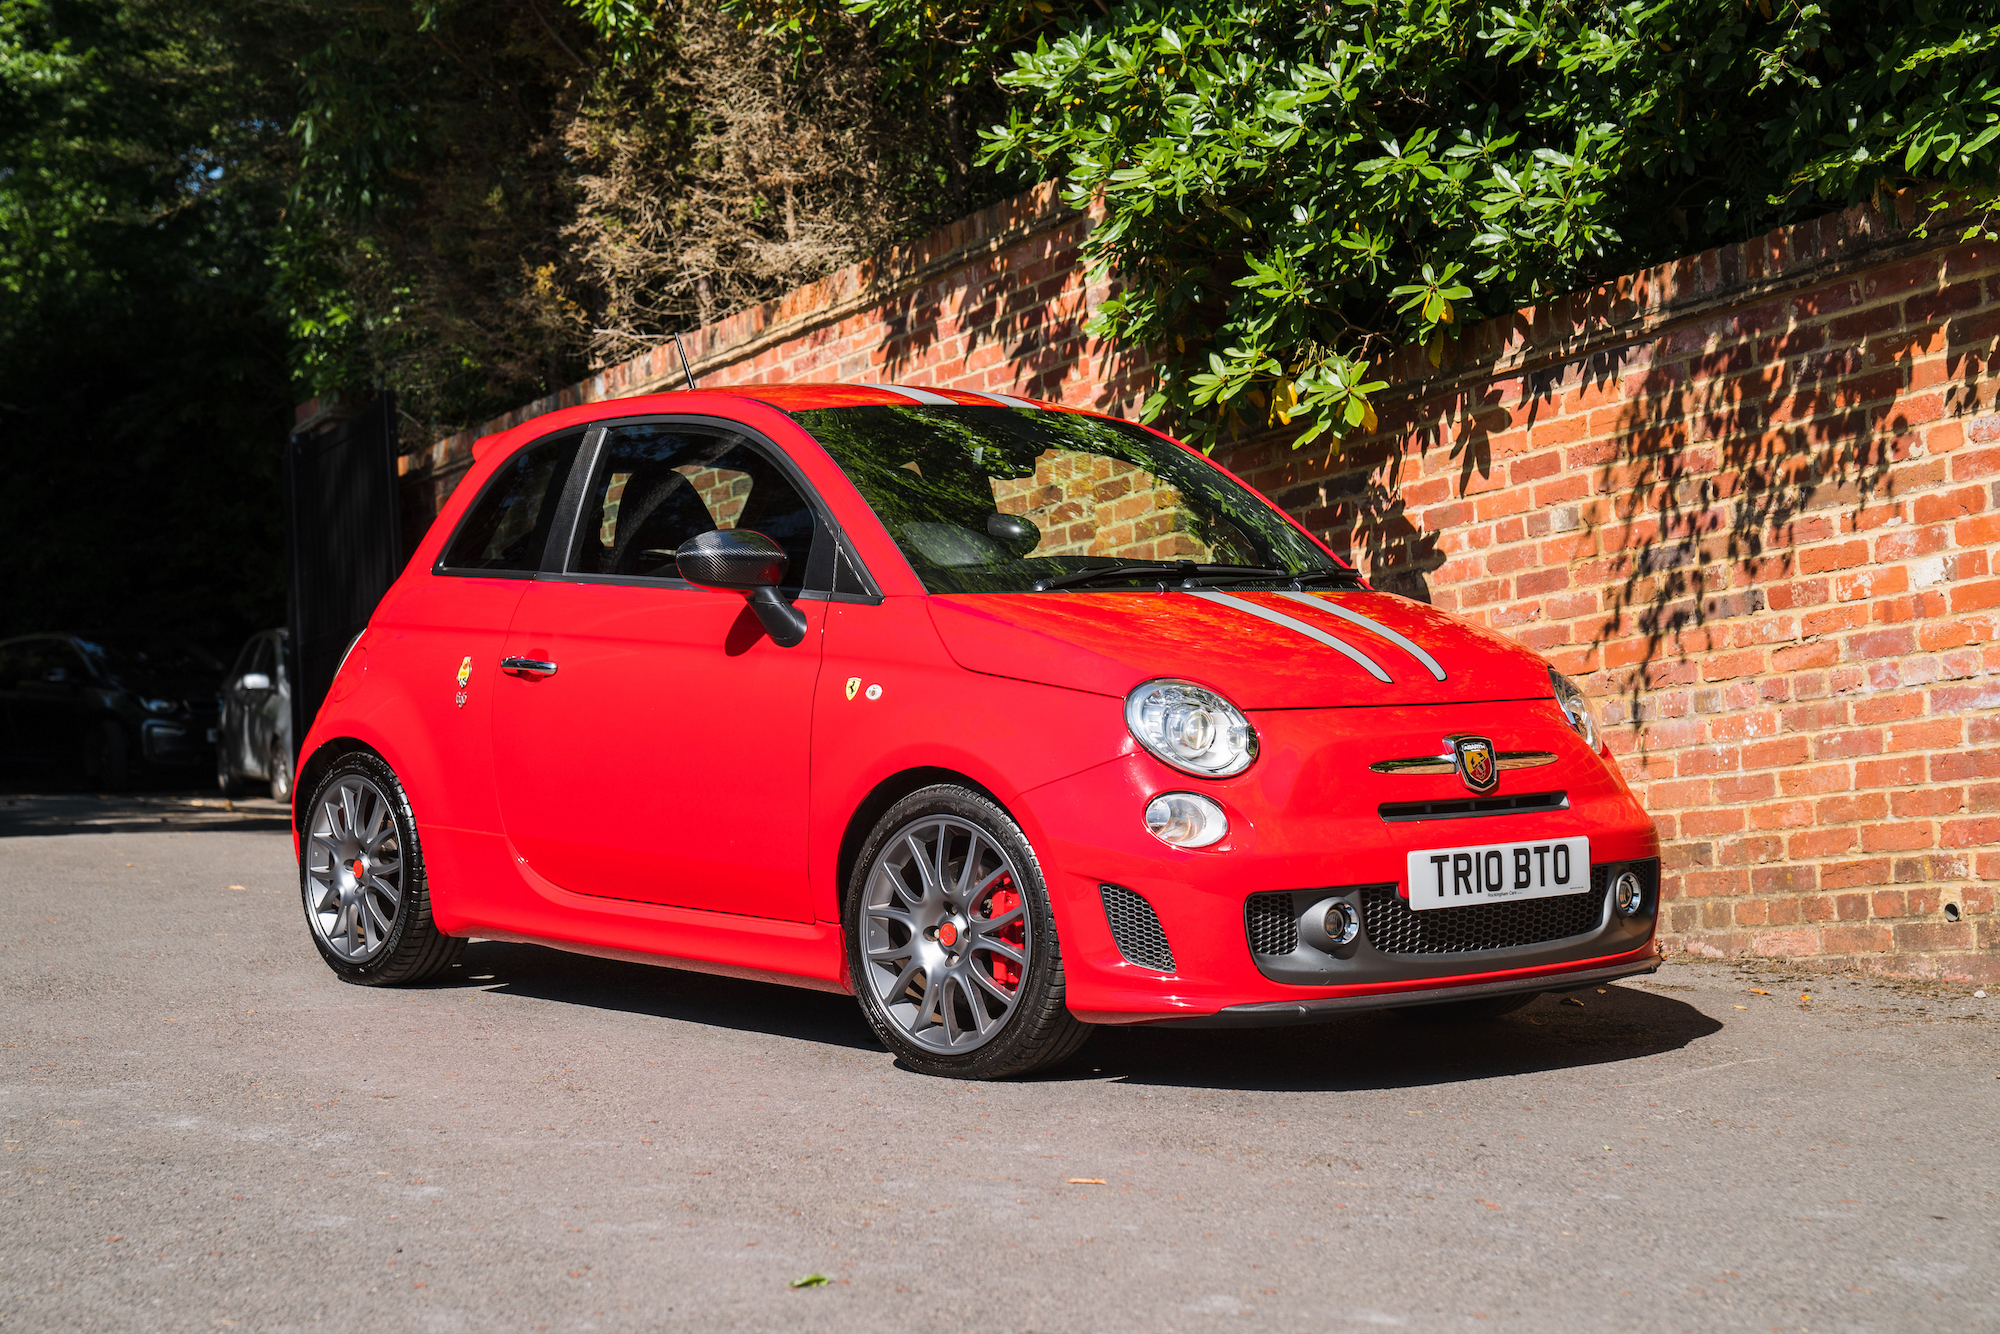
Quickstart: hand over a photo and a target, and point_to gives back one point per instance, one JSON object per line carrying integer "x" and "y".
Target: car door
{"x": 658, "y": 752}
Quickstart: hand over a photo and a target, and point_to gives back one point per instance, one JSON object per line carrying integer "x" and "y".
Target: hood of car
{"x": 1263, "y": 649}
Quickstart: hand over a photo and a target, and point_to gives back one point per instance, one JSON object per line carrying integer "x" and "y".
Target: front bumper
{"x": 1272, "y": 1014}
{"x": 1305, "y": 824}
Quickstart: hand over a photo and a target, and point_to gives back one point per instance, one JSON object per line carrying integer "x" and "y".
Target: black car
{"x": 105, "y": 706}
{"x": 255, "y": 739}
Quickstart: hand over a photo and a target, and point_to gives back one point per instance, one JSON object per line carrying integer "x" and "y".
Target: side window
{"x": 508, "y": 525}
{"x": 263, "y": 660}
{"x": 657, "y": 486}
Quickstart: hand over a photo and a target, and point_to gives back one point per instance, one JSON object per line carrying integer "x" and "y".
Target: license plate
{"x": 1455, "y": 877}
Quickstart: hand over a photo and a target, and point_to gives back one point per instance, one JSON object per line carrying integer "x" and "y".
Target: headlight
{"x": 1196, "y": 731}
{"x": 1576, "y": 707}
{"x": 158, "y": 705}
{"x": 1185, "y": 819}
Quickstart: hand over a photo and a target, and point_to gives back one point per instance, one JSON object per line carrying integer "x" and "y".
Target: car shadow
{"x": 1374, "y": 1050}
{"x": 1382, "y": 1050}
{"x": 542, "y": 973}
{"x": 41, "y": 813}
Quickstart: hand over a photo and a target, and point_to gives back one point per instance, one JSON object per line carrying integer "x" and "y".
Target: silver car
{"x": 255, "y": 736}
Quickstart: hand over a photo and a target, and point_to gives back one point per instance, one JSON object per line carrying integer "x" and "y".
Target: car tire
{"x": 362, "y": 882}
{"x": 1475, "y": 1011}
{"x": 227, "y": 781}
{"x": 951, "y": 942}
{"x": 279, "y": 766}
{"x": 107, "y": 765}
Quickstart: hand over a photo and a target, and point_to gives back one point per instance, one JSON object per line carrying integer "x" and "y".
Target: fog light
{"x": 1185, "y": 819}
{"x": 1341, "y": 924}
{"x": 1628, "y": 894}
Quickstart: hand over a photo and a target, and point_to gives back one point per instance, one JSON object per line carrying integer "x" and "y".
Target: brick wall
{"x": 1751, "y": 499}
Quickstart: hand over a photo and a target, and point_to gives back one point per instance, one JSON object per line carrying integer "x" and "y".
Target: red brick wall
{"x": 1751, "y": 499}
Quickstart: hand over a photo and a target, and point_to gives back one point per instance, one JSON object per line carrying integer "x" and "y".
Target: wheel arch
{"x": 886, "y": 794}
{"x": 315, "y": 766}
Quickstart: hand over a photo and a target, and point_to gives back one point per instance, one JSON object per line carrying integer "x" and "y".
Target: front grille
{"x": 1394, "y": 929}
{"x": 1136, "y": 928}
{"x": 1462, "y": 808}
{"x": 1272, "y": 926}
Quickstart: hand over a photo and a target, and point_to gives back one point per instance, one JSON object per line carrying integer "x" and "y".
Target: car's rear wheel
{"x": 227, "y": 781}
{"x": 1472, "y": 1011}
{"x": 280, "y": 768}
{"x": 367, "y": 899}
{"x": 951, "y": 942}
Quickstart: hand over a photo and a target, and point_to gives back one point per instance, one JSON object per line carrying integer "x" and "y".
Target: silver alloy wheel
{"x": 354, "y": 863}
{"x": 946, "y": 934}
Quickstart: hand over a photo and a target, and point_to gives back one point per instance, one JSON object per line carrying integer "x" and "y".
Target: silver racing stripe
{"x": 924, "y": 396}
{"x": 1408, "y": 645}
{"x": 1005, "y": 400}
{"x": 1292, "y": 623}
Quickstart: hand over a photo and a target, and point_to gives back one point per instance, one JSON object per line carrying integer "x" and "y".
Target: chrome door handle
{"x": 527, "y": 667}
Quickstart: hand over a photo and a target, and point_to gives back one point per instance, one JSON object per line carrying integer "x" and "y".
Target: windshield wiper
{"x": 1187, "y": 571}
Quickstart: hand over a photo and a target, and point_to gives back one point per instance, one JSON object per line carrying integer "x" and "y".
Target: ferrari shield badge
{"x": 853, "y": 684}
{"x": 464, "y": 675}
{"x": 1476, "y": 766}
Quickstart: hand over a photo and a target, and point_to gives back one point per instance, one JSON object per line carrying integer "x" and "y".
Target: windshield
{"x": 1000, "y": 500}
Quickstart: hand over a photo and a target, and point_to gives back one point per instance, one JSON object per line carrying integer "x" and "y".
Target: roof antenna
{"x": 685, "y": 368}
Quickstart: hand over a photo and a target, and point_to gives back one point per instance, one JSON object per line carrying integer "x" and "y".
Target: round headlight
{"x": 1196, "y": 731}
{"x": 1576, "y": 707}
{"x": 1185, "y": 820}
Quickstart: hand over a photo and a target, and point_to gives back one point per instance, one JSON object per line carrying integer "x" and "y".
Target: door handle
{"x": 527, "y": 667}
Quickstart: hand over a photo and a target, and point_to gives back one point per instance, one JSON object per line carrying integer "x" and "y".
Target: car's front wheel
{"x": 367, "y": 899}
{"x": 951, "y": 942}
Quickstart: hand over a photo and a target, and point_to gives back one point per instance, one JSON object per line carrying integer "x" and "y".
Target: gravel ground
{"x": 204, "y": 1129}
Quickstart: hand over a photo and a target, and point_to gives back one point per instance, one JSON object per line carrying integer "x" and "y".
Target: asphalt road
{"x": 203, "y": 1129}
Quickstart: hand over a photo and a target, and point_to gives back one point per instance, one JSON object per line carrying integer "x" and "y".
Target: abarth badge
{"x": 1473, "y": 756}
{"x": 853, "y": 684}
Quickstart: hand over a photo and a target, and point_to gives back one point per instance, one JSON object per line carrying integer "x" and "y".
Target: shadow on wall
{"x": 1032, "y": 318}
{"x": 1727, "y": 460}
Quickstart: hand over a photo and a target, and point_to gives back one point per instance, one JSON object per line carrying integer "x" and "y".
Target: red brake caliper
{"x": 1004, "y": 901}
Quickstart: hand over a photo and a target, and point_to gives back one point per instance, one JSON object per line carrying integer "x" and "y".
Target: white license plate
{"x": 1455, "y": 877}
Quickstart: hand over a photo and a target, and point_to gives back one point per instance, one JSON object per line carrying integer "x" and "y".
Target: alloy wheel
{"x": 946, "y": 940}
{"x": 354, "y": 868}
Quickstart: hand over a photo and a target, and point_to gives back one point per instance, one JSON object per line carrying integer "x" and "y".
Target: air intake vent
{"x": 1394, "y": 929}
{"x": 1271, "y": 924}
{"x": 1464, "y": 808}
{"x": 1136, "y": 928}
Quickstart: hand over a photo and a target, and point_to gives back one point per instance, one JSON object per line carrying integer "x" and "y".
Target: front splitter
{"x": 1273, "y": 1014}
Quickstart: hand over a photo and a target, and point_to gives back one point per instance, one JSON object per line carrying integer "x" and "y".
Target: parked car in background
{"x": 105, "y": 706}
{"x": 255, "y": 740}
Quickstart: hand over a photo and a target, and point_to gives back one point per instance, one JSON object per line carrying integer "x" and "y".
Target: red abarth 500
{"x": 1010, "y": 720}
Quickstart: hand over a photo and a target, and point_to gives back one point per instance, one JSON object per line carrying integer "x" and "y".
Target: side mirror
{"x": 254, "y": 681}
{"x": 1014, "y": 532}
{"x": 741, "y": 561}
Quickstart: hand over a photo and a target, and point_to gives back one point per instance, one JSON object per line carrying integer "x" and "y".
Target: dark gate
{"x": 346, "y": 533}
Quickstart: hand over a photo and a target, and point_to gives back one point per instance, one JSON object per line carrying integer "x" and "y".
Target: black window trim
{"x": 556, "y": 556}
{"x": 467, "y": 572}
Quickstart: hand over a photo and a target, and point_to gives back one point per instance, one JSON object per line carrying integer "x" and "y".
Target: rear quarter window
{"x": 507, "y": 527}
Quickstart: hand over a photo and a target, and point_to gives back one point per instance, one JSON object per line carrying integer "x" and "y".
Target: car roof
{"x": 787, "y": 398}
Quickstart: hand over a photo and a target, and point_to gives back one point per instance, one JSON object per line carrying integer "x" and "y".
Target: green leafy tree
{"x": 143, "y": 384}
{"x": 1291, "y": 188}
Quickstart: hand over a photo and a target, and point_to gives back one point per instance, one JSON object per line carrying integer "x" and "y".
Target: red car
{"x": 1008, "y": 719}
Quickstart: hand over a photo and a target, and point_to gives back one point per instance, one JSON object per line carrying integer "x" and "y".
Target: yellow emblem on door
{"x": 853, "y": 684}
{"x": 464, "y": 672}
